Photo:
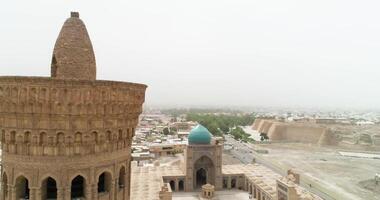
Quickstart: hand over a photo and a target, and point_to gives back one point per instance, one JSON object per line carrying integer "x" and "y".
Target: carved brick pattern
{"x": 43, "y": 116}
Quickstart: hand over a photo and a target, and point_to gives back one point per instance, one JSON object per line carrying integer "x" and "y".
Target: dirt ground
{"x": 229, "y": 159}
{"x": 325, "y": 164}
{"x": 371, "y": 185}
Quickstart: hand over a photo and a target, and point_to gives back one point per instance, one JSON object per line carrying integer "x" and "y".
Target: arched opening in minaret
{"x": 54, "y": 67}
{"x": 22, "y": 188}
{"x": 201, "y": 178}
{"x": 104, "y": 182}
{"x": 120, "y": 135}
{"x": 49, "y": 189}
{"x": 43, "y": 138}
{"x": 4, "y": 186}
{"x": 13, "y": 137}
{"x": 109, "y": 136}
{"x": 3, "y": 136}
{"x": 77, "y": 187}
{"x": 122, "y": 177}
{"x": 27, "y": 137}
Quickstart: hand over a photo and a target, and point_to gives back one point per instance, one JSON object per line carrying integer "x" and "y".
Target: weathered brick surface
{"x": 73, "y": 55}
{"x": 67, "y": 125}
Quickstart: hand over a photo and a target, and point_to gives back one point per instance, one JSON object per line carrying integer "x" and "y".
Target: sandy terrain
{"x": 229, "y": 159}
{"x": 341, "y": 174}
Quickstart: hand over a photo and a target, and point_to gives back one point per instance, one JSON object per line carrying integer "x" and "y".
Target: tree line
{"x": 220, "y": 124}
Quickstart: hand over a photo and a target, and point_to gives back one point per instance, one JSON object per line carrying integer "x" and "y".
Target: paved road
{"x": 241, "y": 151}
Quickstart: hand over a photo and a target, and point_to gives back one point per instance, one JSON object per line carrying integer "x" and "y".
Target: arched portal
{"x": 201, "y": 177}
{"x": 77, "y": 187}
{"x": 225, "y": 183}
{"x": 172, "y": 185}
{"x": 49, "y": 189}
{"x": 4, "y": 186}
{"x": 181, "y": 186}
{"x": 104, "y": 182}
{"x": 22, "y": 188}
{"x": 204, "y": 172}
{"x": 233, "y": 183}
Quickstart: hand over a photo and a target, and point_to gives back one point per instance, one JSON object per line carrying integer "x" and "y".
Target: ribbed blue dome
{"x": 199, "y": 135}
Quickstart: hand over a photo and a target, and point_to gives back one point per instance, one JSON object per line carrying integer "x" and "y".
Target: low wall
{"x": 256, "y": 123}
{"x": 295, "y": 132}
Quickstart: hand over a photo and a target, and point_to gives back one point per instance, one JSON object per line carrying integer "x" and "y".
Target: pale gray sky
{"x": 307, "y": 53}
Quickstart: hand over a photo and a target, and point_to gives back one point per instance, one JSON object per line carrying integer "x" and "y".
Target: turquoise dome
{"x": 199, "y": 135}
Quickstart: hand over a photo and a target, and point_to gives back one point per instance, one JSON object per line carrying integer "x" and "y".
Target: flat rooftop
{"x": 220, "y": 195}
{"x": 147, "y": 180}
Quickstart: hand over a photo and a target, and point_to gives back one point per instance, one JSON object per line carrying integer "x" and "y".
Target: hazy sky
{"x": 307, "y": 53}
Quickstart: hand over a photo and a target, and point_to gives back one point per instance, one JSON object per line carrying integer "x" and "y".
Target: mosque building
{"x": 202, "y": 170}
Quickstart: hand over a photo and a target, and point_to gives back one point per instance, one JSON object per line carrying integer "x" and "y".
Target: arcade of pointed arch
{"x": 118, "y": 176}
{"x": 39, "y": 144}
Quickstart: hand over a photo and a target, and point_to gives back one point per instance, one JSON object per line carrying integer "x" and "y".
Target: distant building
{"x": 182, "y": 126}
{"x": 331, "y": 121}
{"x": 364, "y": 123}
{"x": 183, "y": 134}
{"x": 165, "y": 149}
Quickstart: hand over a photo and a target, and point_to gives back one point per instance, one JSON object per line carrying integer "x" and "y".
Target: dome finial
{"x": 74, "y": 14}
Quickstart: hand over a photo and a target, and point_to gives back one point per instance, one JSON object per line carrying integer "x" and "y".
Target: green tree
{"x": 263, "y": 136}
{"x": 219, "y": 124}
{"x": 239, "y": 134}
{"x": 173, "y": 130}
{"x": 224, "y": 127}
{"x": 165, "y": 131}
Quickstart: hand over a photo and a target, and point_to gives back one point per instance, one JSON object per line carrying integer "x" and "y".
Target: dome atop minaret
{"x": 73, "y": 55}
